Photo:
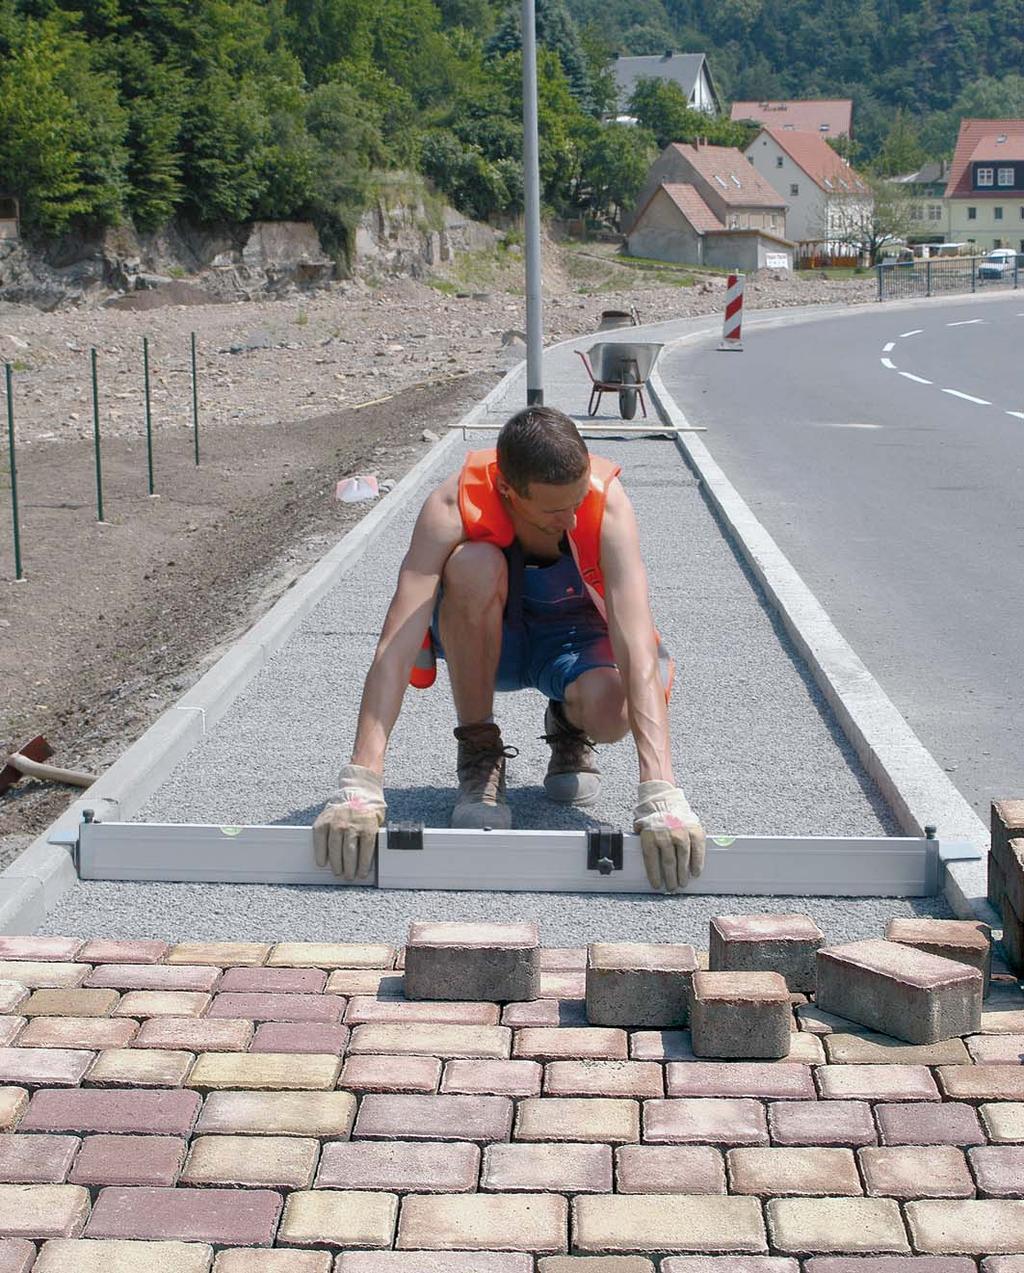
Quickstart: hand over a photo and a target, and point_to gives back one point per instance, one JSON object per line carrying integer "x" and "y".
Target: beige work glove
{"x": 671, "y": 837}
{"x": 345, "y": 833}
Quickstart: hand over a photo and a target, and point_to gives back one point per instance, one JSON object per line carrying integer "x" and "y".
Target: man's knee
{"x": 597, "y": 702}
{"x": 475, "y": 574}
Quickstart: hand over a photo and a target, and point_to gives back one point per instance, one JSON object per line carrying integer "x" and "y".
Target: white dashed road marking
{"x": 888, "y": 362}
{"x": 967, "y": 397}
{"x": 916, "y": 332}
{"x": 889, "y": 347}
{"x": 965, "y": 322}
{"x": 1017, "y": 415}
{"x": 920, "y": 380}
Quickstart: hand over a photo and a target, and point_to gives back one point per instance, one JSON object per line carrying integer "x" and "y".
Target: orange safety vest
{"x": 485, "y": 520}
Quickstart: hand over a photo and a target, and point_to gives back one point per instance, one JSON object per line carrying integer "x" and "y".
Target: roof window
{"x": 721, "y": 182}
{"x": 735, "y": 181}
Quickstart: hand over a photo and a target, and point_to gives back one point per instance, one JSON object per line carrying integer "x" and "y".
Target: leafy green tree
{"x": 661, "y": 107}
{"x": 901, "y": 151}
{"x": 868, "y": 225}
{"x": 153, "y": 95}
{"x": 614, "y": 164}
{"x": 557, "y": 32}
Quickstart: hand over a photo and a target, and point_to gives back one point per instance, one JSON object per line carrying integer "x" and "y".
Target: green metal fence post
{"x": 18, "y": 572}
{"x": 149, "y": 413}
{"x": 96, "y": 439}
{"x": 195, "y": 399}
{"x": 928, "y": 274}
{"x": 878, "y": 271}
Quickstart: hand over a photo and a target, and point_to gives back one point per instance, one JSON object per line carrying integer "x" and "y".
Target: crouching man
{"x": 524, "y": 572}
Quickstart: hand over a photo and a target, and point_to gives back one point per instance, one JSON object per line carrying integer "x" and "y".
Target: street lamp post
{"x": 531, "y": 190}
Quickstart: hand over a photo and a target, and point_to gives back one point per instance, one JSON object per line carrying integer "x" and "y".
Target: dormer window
{"x": 1005, "y": 176}
{"x": 985, "y": 176}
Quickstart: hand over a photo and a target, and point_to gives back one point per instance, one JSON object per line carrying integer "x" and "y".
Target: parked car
{"x": 999, "y": 263}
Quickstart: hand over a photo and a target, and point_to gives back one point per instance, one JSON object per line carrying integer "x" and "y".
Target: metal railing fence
{"x": 943, "y": 274}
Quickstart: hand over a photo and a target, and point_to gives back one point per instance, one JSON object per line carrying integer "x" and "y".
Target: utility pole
{"x": 531, "y": 190}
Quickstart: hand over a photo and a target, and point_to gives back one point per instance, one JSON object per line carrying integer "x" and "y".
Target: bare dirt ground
{"x": 114, "y": 621}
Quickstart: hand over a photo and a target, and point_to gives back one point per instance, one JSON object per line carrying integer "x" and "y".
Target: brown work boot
{"x": 573, "y": 776}
{"x": 481, "y": 799}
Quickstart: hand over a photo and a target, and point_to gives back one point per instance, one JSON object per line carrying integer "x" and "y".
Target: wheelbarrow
{"x": 622, "y": 369}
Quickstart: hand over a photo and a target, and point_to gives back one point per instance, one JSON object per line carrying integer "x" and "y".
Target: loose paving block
{"x": 999, "y": 1171}
{"x": 264, "y": 1070}
{"x": 982, "y": 1082}
{"x": 531, "y": 1168}
{"x": 194, "y": 1034}
{"x": 502, "y": 1078}
{"x": 667, "y": 1222}
{"x": 36, "y": 1160}
{"x": 914, "y": 1171}
{"x": 639, "y": 985}
{"x": 876, "y": 1049}
{"x": 432, "y": 1040}
{"x": 188, "y": 977}
{"x": 740, "y": 1078}
{"x": 603, "y": 1078}
{"x": 261, "y": 981}
{"x": 17, "y": 1255}
{"x": 434, "y": 1262}
{"x": 868, "y": 1226}
{"x": 315, "y": 954}
{"x": 877, "y": 1083}
{"x": 283, "y": 1007}
{"x": 901, "y": 991}
{"x": 1007, "y": 822}
{"x": 689, "y": 1169}
{"x": 1004, "y": 1122}
{"x": 474, "y": 1118}
{"x": 535, "y": 1222}
{"x": 975, "y": 1226}
{"x": 588, "y": 1119}
{"x": 549, "y": 1044}
{"x": 129, "y": 1160}
{"x": 13, "y": 1103}
{"x": 40, "y": 949}
{"x": 87, "y": 1034}
{"x": 328, "y": 1115}
{"x": 43, "y": 1211}
{"x": 264, "y": 1162}
{"x": 245, "y": 1261}
{"x": 785, "y": 944}
{"x": 948, "y": 1123}
{"x": 139, "y": 950}
{"x": 473, "y": 962}
{"x": 339, "y": 1218}
{"x": 44, "y": 1067}
{"x": 740, "y": 1014}
{"x": 223, "y": 1217}
{"x": 318, "y": 1037}
{"x": 712, "y": 1122}
{"x": 221, "y": 954}
{"x": 170, "y": 1113}
{"x": 127, "y": 1067}
{"x": 44, "y": 976}
{"x": 777, "y": 1173}
{"x": 60, "y": 1255}
{"x": 967, "y": 941}
{"x": 70, "y": 1003}
{"x": 810, "y": 1123}
{"x": 996, "y": 882}
{"x": 993, "y": 1049}
{"x": 413, "y": 1074}
{"x": 400, "y": 1166}
{"x": 368, "y": 1010}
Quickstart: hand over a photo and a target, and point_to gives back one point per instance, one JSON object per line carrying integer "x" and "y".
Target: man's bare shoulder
{"x": 440, "y": 521}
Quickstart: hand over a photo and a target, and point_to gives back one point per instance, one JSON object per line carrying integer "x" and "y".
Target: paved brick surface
{"x": 434, "y": 1262}
{"x": 811, "y": 1123}
{"x": 689, "y": 1169}
{"x": 91, "y": 1034}
{"x": 599, "y": 1118}
{"x": 400, "y": 1166}
{"x": 432, "y": 1040}
{"x": 318, "y": 1037}
{"x": 246, "y": 1260}
{"x": 129, "y": 1160}
{"x": 193, "y": 1034}
{"x": 17, "y": 1255}
{"x": 652, "y": 1222}
{"x": 921, "y": 1124}
{"x": 915, "y": 1171}
{"x": 310, "y": 954}
{"x": 283, "y": 1070}
{"x": 875, "y": 1049}
{"x": 414, "y": 1074}
{"x": 535, "y": 1167}
{"x": 978, "y": 1226}
{"x": 367, "y": 1009}
{"x": 784, "y": 1172}
{"x": 279, "y": 1007}
{"x": 877, "y": 1083}
{"x": 265, "y": 1162}
{"x": 503, "y": 1078}
{"x": 223, "y": 1217}
{"x": 474, "y": 1118}
{"x": 712, "y": 1122}
{"x": 61, "y": 1255}
{"x": 326, "y": 1114}
{"x": 128, "y": 1067}
{"x": 36, "y": 1160}
{"x": 740, "y": 1078}
{"x": 43, "y": 1211}
{"x": 478, "y": 1222}
{"x": 594, "y": 1042}
{"x": 603, "y": 1078}
{"x": 999, "y": 1171}
{"x": 170, "y": 1113}
{"x": 802, "y": 1226}
{"x": 70, "y": 1003}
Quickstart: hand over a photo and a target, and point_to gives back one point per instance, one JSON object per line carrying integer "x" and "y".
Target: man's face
{"x": 551, "y": 509}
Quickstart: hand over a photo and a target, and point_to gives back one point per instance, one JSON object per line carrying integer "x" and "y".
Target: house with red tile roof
{"x": 985, "y": 190}
{"x": 823, "y": 192}
{"x": 827, "y": 116}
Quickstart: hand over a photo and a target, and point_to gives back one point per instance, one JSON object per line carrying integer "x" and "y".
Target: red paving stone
{"x": 224, "y": 1217}
{"x": 129, "y": 1160}
{"x": 300, "y": 1036}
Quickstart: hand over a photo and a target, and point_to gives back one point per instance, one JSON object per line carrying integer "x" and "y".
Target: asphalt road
{"x": 884, "y": 451}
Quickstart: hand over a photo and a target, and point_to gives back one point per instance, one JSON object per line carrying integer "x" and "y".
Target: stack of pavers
{"x": 474, "y": 1103}
{"x": 1006, "y": 876}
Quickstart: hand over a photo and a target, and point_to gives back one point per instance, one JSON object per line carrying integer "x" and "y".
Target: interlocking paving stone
{"x": 983, "y": 1082}
{"x": 328, "y": 1115}
{"x": 139, "y": 1067}
{"x": 639, "y": 984}
{"x": 273, "y": 981}
{"x": 42, "y": 1067}
{"x": 732, "y": 1264}
{"x": 89, "y": 1034}
{"x": 434, "y": 1262}
{"x": 368, "y": 1010}
{"x": 40, "y": 948}
{"x": 1003, "y": 1264}
{"x": 13, "y": 1103}
{"x": 875, "y": 1049}
{"x": 950, "y": 1123}
{"x": 17, "y": 1255}
{"x": 44, "y": 976}
{"x": 70, "y": 1003}
{"x": 540, "y": 1043}
{"x": 245, "y": 1261}
{"x": 263, "y": 1162}
{"x": 914, "y": 1171}
{"x": 810, "y": 1123}
{"x": 169, "y": 1113}
{"x": 805, "y": 1048}
{"x": 999, "y": 1171}
{"x": 669, "y": 1222}
{"x": 12, "y": 993}
{"x": 817, "y": 1021}
{"x": 224, "y": 1217}
{"x": 413, "y": 1074}
{"x": 142, "y": 950}
{"x": 545, "y": 1012}
{"x": 400, "y": 1117}
{"x": 888, "y": 1264}
{"x": 43, "y": 1211}
{"x": 194, "y": 1034}
{"x": 366, "y": 981}
{"x": 566, "y": 1168}
{"x": 603, "y": 1078}
{"x": 264, "y": 1070}
{"x": 804, "y": 1226}
{"x": 129, "y": 1160}
{"x": 966, "y": 941}
{"x": 222, "y": 954}
{"x": 445, "y": 960}
{"x": 767, "y": 942}
{"x": 339, "y": 1218}
{"x": 975, "y": 1226}
{"x": 1003, "y": 1011}
{"x": 282, "y": 1007}
{"x": 740, "y": 1078}
{"x": 314, "y": 954}
{"x": 36, "y": 1160}
{"x": 502, "y": 1078}
{"x": 595, "y": 1264}
{"x": 534, "y": 1222}
{"x": 690, "y": 1169}
{"x": 163, "y": 1003}
{"x": 715, "y": 1122}
{"x": 661, "y": 1045}
{"x": 563, "y": 958}
{"x": 995, "y": 1049}
{"x": 1003, "y": 1121}
{"x": 584, "y": 1119}
{"x": 807, "y": 1172}
{"x": 62, "y": 1255}
{"x": 740, "y": 1014}
{"x": 193, "y": 977}
{"x": 10, "y": 1027}
{"x": 877, "y": 1083}
{"x": 300, "y": 1036}
{"x": 563, "y": 984}
{"x": 400, "y": 1166}
{"x": 432, "y": 1040}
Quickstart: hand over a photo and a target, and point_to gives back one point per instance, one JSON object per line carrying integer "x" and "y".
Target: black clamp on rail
{"x": 604, "y": 849}
{"x": 405, "y": 835}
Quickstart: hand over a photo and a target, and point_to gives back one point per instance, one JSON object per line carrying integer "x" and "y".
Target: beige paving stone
{"x": 810, "y": 1172}
{"x": 1004, "y": 1121}
{"x": 877, "y": 1083}
{"x": 434, "y": 1262}
{"x": 93, "y": 1034}
{"x": 10, "y": 1028}
{"x": 163, "y": 1003}
{"x": 70, "y": 1003}
{"x": 263, "y": 1162}
{"x": 13, "y": 1103}
{"x": 804, "y": 1048}
{"x": 383, "y": 983}
{"x": 808, "y": 1226}
{"x": 667, "y": 1222}
{"x": 415, "y": 1074}
{"x": 316, "y": 954}
{"x": 540, "y": 1043}
{"x": 595, "y": 1264}
{"x": 502, "y": 1078}
{"x": 43, "y": 976}
{"x": 287, "y": 1071}
{"x": 248, "y": 1260}
{"x": 1003, "y": 1011}
{"x": 816, "y": 1020}
{"x": 127, "y": 1067}
{"x": 563, "y": 958}
{"x": 535, "y": 1222}
{"x": 996, "y": 1049}
{"x": 12, "y": 993}
{"x": 71, "y": 1255}
{"x": 558, "y": 1168}
{"x": 585, "y": 1119}
{"x": 604, "y": 1078}
{"x": 975, "y": 1226}
{"x": 877, "y": 1049}
{"x": 195, "y": 1034}
{"x": 338, "y": 1218}
{"x": 371, "y": 1010}
{"x": 328, "y": 1115}
{"x": 982, "y": 1082}
{"x": 432, "y": 1040}
{"x": 220, "y": 954}
{"x": 43, "y": 1211}
{"x": 906, "y": 1172}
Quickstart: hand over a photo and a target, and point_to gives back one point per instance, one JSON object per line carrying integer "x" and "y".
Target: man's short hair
{"x": 540, "y": 444}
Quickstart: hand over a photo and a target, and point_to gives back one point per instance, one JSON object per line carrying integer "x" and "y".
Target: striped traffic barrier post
{"x": 733, "y": 313}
